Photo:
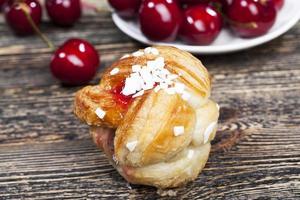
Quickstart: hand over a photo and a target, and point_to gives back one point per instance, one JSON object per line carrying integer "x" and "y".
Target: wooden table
{"x": 45, "y": 153}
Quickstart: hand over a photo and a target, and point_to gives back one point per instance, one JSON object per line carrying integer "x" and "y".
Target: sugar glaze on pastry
{"x": 152, "y": 116}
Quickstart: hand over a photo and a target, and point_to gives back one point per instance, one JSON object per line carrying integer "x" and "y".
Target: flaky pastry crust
{"x": 159, "y": 158}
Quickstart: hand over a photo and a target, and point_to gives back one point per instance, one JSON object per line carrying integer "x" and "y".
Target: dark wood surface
{"x": 45, "y": 153}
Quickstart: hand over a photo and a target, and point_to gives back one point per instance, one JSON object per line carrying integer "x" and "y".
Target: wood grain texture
{"x": 45, "y": 153}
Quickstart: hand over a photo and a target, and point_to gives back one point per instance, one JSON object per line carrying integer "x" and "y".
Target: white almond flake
{"x": 135, "y": 75}
{"x": 160, "y": 61}
{"x": 208, "y": 131}
{"x": 157, "y": 88}
{"x": 178, "y": 130}
{"x": 140, "y": 93}
{"x": 152, "y": 76}
{"x": 131, "y": 145}
{"x": 136, "y": 68}
{"x": 185, "y": 96}
{"x": 154, "y": 51}
{"x": 114, "y": 71}
{"x": 148, "y": 86}
{"x": 165, "y": 72}
{"x": 138, "y": 53}
{"x": 129, "y": 87}
{"x": 148, "y": 50}
{"x": 125, "y": 56}
{"x": 179, "y": 88}
{"x": 161, "y": 76}
{"x": 163, "y": 86}
{"x": 147, "y": 77}
{"x": 156, "y": 78}
{"x": 133, "y": 84}
{"x": 151, "y": 50}
{"x": 168, "y": 82}
{"x": 100, "y": 113}
{"x": 151, "y": 64}
{"x": 190, "y": 154}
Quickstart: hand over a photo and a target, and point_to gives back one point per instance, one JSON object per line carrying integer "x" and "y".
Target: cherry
{"x": 220, "y": 5}
{"x": 278, "y": 4}
{"x": 64, "y": 12}
{"x": 16, "y": 18}
{"x": 201, "y": 25}
{"x": 192, "y": 1}
{"x": 126, "y": 8}
{"x": 1, "y": 4}
{"x": 75, "y": 62}
{"x": 160, "y": 19}
{"x": 123, "y": 100}
{"x": 200, "y": 1}
{"x": 251, "y": 18}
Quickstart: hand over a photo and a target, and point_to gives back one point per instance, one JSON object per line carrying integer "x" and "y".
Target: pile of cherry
{"x": 76, "y": 61}
{"x": 199, "y": 22}
{"x": 195, "y": 21}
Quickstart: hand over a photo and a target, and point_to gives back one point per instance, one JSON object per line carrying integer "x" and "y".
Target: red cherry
{"x": 1, "y": 4}
{"x": 64, "y": 12}
{"x": 75, "y": 62}
{"x": 16, "y": 18}
{"x": 126, "y": 8}
{"x": 123, "y": 100}
{"x": 278, "y": 4}
{"x": 201, "y": 25}
{"x": 200, "y": 1}
{"x": 220, "y": 5}
{"x": 251, "y": 18}
{"x": 160, "y": 19}
{"x": 192, "y": 1}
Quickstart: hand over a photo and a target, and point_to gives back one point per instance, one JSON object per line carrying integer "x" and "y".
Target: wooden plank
{"x": 76, "y": 169}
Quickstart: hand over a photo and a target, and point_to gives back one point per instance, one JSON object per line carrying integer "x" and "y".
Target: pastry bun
{"x": 152, "y": 116}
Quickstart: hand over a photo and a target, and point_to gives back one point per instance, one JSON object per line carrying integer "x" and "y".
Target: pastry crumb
{"x": 131, "y": 145}
{"x": 114, "y": 71}
{"x": 151, "y": 50}
{"x": 100, "y": 113}
{"x": 138, "y": 53}
{"x": 178, "y": 130}
{"x": 164, "y": 193}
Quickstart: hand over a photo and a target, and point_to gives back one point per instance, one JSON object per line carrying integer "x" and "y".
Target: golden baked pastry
{"x": 152, "y": 116}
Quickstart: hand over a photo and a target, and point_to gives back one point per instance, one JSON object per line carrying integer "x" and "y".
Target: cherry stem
{"x": 26, "y": 10}
{"x": 95, "y": 8}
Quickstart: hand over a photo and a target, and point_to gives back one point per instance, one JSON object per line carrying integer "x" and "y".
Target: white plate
{"x": 226, "y": 41}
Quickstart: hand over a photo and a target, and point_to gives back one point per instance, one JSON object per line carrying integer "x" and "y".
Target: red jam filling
{"x": 123, "y": 100}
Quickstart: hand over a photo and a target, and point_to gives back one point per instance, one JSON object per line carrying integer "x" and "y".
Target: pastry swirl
{"x": 159, "y": 133}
